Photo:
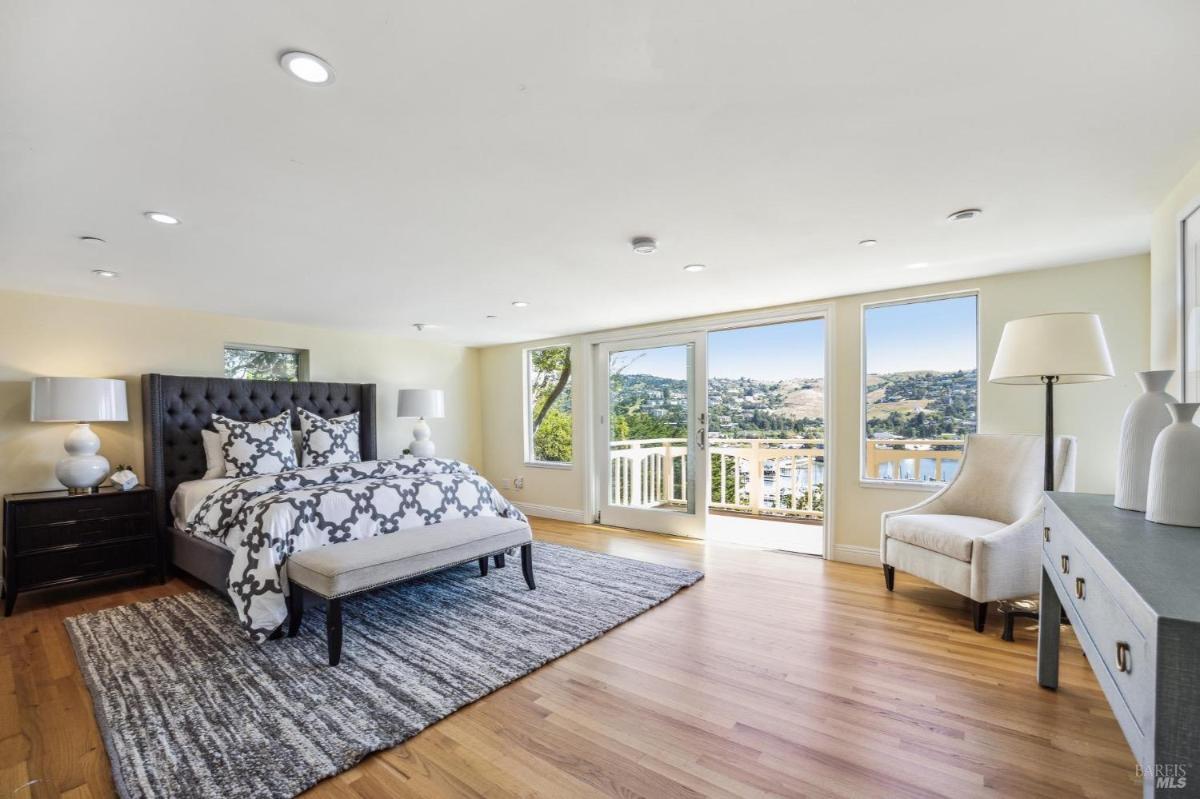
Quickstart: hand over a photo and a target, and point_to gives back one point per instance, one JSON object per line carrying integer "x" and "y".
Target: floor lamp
{"x": 1049, "y": 350}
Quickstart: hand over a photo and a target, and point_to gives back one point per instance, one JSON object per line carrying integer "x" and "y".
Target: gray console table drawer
{"x": 1132, "y": 592}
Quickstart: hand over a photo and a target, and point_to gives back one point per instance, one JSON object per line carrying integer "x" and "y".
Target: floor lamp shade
{"x": 421, "y": 403}
{"x": 80, "y": 400}
{"x": 1068, "y": 346}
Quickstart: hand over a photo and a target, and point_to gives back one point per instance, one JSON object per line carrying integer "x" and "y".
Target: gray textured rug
{"x": 189, "y": 707}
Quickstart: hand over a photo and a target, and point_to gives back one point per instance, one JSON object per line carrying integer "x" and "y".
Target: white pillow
{"x": 214, "y": 461}
{"x": 251, "y": 448}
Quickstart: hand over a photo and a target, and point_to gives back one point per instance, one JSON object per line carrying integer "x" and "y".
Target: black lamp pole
{"x": 1049, "y": 380}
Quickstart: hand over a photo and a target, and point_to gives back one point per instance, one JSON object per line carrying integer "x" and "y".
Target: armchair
{"x": 980, "y": 536}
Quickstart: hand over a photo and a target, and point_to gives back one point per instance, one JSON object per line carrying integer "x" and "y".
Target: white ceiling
{"x": 474, "y": 153}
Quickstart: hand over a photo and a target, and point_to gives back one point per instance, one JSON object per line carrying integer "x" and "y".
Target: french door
{"x": 651, "y": 429}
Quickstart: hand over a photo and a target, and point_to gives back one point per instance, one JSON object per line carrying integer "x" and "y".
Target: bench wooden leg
{"x": 333, "y": 629}
{"x": 499, "y": 559}
{"x": 295, "y": 609}
{"x": 483, "y": 566}
{"x": 527, "y": 565}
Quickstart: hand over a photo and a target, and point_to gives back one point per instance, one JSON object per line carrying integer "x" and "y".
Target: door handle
{"x": 701, "y": 432}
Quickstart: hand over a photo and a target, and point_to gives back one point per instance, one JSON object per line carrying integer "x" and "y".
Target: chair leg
{"x": 499, "y": 559}
{"x": 333, "y": 629}
{"x": 889, "y": 577}
{"x": 295, "y": 609}
{"x": 483, "y": 566}
{"x": 527, "y": 565}
{"x": 979, "y": 614}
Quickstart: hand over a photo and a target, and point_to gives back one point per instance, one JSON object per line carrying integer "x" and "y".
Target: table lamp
{"x": 80, "y": 400}
{"x": 422, "y": 404}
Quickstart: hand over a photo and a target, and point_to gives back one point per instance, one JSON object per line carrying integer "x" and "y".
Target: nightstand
{"x": 54, "y": 538}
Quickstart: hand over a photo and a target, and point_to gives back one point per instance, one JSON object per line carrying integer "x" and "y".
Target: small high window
{"x": 252, "y": 362}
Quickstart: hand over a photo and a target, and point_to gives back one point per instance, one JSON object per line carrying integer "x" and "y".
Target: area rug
{"x": 189, "y": 707}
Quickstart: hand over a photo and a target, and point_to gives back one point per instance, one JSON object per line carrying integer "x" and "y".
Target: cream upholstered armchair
{"x": 981, "y": 535}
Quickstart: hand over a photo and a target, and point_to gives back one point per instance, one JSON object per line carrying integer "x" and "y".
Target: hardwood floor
{"x": 775, "y": 675}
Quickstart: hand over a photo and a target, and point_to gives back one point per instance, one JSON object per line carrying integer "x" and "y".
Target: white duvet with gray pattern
{"x": 265, "y": 518}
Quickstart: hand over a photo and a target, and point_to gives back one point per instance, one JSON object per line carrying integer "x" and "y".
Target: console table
{"x": 1131, "y": 589}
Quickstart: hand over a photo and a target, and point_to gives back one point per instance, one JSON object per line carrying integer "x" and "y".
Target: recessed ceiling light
{"x": 104, "y": 273}
{"x": 918, "y": 265}
{"x": 867, "y": 243}
{"x": 644, "y": 245}
{"x": 91, "y": 240}
{"x": 695, "y": 268}
{"x": 491, "y": 316}
{"x": 520, "y": 304}
{"x": 161, "y": 218}
{"x": 307, "y": 67}
{"x": 964, "y": 214}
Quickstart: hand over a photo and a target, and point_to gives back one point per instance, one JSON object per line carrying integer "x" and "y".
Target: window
{"x": 249, "y": 362}
{"x": 921, "y": 387}
{"x": 548, "y": 403}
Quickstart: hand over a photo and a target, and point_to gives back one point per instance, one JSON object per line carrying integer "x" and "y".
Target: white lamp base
{"x": 421, "y": 446}
{"x": 83, "y": 469}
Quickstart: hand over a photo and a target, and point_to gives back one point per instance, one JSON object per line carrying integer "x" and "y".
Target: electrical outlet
{"x": 519, "y": 483}
{"x": 506, "y": 482}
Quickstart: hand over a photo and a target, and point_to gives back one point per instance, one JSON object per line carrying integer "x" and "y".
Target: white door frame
{"x": 673, "y": 521}
{"x": 791, "y": 313}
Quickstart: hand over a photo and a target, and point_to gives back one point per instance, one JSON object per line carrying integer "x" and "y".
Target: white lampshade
{"x": 78, "y": 399}
{"x": 427, "y": 403}
{"x": 1070, "y": 346}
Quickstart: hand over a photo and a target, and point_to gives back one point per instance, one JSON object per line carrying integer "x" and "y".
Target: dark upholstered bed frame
{"x": 176, "y": 409}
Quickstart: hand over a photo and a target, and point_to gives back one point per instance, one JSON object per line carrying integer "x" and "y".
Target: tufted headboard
{"x": 176, "y": 409}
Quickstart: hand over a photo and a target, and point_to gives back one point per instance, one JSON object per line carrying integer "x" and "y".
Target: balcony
{"x": 779, "y": 479}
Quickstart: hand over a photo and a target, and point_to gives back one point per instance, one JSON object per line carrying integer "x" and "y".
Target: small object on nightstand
{"x": 54, "y": 538}
{"x": 124, "y": 478}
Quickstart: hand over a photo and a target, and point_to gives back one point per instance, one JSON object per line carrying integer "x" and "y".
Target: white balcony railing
{"x": 767, "y": 477}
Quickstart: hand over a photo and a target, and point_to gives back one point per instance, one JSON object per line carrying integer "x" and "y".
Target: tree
{"x": 246, "y": 364}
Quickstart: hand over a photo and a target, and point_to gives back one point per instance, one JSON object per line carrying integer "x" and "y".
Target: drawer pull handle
{"x": 1046, "y": 534}
{"x": 1079, "y": 592}
{"x": 1123, "y": 663}
{"x": 1066, "y": 564}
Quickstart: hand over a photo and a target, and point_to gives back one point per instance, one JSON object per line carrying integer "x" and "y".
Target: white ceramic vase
{"x": 1174, "y": 492}
{"x": 1144, "y": 420}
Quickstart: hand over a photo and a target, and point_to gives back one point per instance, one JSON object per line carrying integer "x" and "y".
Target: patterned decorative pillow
{"x": 324, "y": 442}
{"x": 252, "y": 448}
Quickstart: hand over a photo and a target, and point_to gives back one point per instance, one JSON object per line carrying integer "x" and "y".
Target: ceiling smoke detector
{"x": 92, "y": 240}
{"x": 644, "y": 245}
{"x": 964, "y": 214}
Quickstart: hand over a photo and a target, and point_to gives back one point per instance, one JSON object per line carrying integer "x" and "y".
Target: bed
{"x": 239, "y": 532}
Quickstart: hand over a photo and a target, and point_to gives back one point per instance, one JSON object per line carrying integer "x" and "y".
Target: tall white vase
{"x": 1174, "y": 494}
{"x": 1144, "y": 420}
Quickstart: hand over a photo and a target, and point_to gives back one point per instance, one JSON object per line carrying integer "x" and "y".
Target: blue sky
{"x": 937, "y": 335}
{"x": 768, "y": 352}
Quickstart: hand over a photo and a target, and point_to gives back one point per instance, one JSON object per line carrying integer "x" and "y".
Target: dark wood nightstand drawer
{"x": 83, "y": 508}
{"x": 47, "y": 568}
{"x": 28, "y": 540}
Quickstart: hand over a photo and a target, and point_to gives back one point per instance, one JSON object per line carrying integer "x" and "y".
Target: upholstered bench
{"x": 339, "y": 570}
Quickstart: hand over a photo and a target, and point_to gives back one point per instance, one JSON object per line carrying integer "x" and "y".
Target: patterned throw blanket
{"x": 264, "y": 519}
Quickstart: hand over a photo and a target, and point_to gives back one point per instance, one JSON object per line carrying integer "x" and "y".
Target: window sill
{"x": 549, "y": 465}
{"x": 924, "y": 486}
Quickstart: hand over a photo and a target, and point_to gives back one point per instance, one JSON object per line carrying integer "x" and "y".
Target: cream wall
{"x": 1164, "y": 273}
{"x": 1116, "y": 289}
{"x": 42, "y": 335}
